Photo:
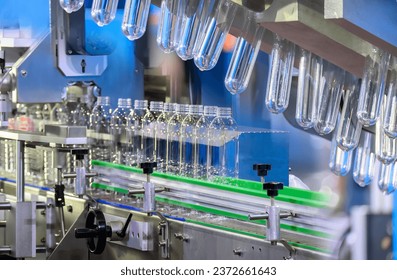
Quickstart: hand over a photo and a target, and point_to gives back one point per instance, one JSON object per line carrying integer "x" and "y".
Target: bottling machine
{"x": 60, "y": 200}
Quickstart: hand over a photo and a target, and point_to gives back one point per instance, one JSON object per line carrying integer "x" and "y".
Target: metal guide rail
{"x": 222, "y": 206}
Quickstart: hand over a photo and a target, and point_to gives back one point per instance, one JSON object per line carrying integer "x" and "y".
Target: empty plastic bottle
{"x": 174, "y": 138}
{"x": 329, "y": 98}
{"x": 100, "y": 127}
{"x": 244, "y": 56}
{"x": 364, "y": 160}
{"x": 189, "y": 134}
{"x": 161, "y": 135}
{"x": 387, "y": 178}
{"x": 148, "y": 130}
{"x": 340, "y": 161}
{"x": 156, "y": 109}
{"x": 71, "y": 6}
{"x": 136, "y": 131}
{"x": 213, "y": 35}
{"x": 81, "y": 115}
{"x": 201, "y": 142}
{"x": 223, "y": 156}
{"x": 170, "y": 22}
{"x": 390, "y": 115}
{"x": 348, "y": 130}
{"x": 373, "y": 87}
{"x": 135, "y": 18}
{"x": 280, "y": 75}
{"x": 103, "y": 12}
{"x": 121, "y": 152}
{"x": 310, "y": 73}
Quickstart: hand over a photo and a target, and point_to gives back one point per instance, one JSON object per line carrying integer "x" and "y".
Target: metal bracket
{"x": 164, "y": 236}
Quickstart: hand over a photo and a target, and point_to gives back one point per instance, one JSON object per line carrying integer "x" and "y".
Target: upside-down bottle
{"x": 135, "y": 18}
{"x": 244, "y": 56}
{"x": 71, "y": 6}
{"x": 213, "y": 35}
{"x": 387, "y": 178}
{"x": 280, "y": 75}
{"x": 364, "y": 160}
{"x": 348, "y": 130}
{"x": 390, "y": 115}
{"x": 373, "y": 87}
{"x": 385, "y": 147}
{"x": 310, "y": 73}
{"x": 103, "y": 12}
{"x": 340, "y": 161}
{"x": 329, "y": 98}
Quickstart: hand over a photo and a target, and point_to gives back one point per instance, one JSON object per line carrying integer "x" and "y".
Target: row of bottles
{"x": 188, "y": 140}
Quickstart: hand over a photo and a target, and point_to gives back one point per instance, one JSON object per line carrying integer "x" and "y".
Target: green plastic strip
{"x": 109, "y": 188}
{"x": 288, "y": 194}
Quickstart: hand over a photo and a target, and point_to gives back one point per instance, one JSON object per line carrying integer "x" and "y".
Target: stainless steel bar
{"x": 62, "y": 221}
{"x": 258, "y": 217}
{"x": 20, "y": 179}
{"x": 69, "y": 175}
{"x": 5, "y": 206}
{"x": 5, "y": 250}
{"x": 3, "y": 224}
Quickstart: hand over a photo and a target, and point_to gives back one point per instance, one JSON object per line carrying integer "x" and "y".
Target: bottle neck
{"x": 169, "y": 107}
{"x": 140, "y": 104}
{"x": 156, "y": 106}
{"x": 196, "y": 110}
{"x": 210, "y": 111}
{"x": 224, "y": 112}
{"x": 182, "y": 109}
{"x": 103, "y": 100}
{"x": 124, "y": 103}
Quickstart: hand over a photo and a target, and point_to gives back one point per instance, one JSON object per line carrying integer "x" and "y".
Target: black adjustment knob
{"x": 272, "y": 188}
{"x": 96, "y": 231}
{"x": 80, "y": 153}
{"x": 262, "y": 168}
{"x": 148, "y": 167}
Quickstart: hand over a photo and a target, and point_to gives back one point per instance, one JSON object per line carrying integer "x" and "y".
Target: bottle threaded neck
{"x": 210, "y": 111}
{"x": 156, "y": 106}
{"x": 196, "y": 109}
{"x": 169, "y": 107}
{"x": 182, "y": 108}
{"x": 224, "y": 112}
{"x": 140, "y": 104}
{"x": 103, "y": 100}
{"x": 124, "y": 102}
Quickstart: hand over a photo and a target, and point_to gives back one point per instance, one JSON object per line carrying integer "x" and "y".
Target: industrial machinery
{"x": 75, "y": 185}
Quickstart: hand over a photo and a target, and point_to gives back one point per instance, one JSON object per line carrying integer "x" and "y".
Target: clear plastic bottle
{"x": 100, "y": 126}
{"x": 364, "y": 161}
{"x": 148, "y": 130}
{"x": 190, "y": 28}
{"x": 385, "y": 147}
{"x": 310, "y": 73}
{"x": 118, "y": 129}
{"x": 348, "y": 130}
{"x": 71, "y": 6}
{"x": 329, "y": 98}
{"x": 161, "y": 135}
{"x": 81, "y": 115}
{"x": 244, "y": 56}
{"x": 387, "y": 178}
{"x": 223, "y": 147}
{"x": 156, "y": 109}
{"x": 390, "y": 115}
{"x": 201, "y": 142}
{"x": 103, "y": 12}
{"x": 373, "y": 87}
{"x": 280, "y": 75}
{"x": 170, "y": 22}
{"x": 213, "y": 35}
{"x": 189, "y": 134}
{"x": 340, "y": 161}
{"x": 135, "y": 18}
{"x": 136, "y": 131}
{"x": 174, "y": 135}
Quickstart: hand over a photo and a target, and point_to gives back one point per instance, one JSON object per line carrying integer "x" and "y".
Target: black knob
{"x": 96, "y": 231}
{"x": 59, "y": 195}
{"x": 272, "y": 188}
{"x": 148, "y": 167}
{"x": 262, "y": 168}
